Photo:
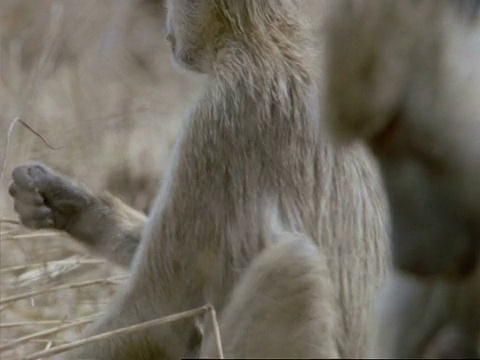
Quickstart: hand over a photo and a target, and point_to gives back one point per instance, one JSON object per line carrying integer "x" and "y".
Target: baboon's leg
{"x": 284, "y": 306}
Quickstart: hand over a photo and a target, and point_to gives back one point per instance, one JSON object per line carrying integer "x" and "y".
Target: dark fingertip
{"x": 35, "y": 169}
{"x": 43, "y": 177}
{"x": 21, "y": 177}
{"x": 28, "y": 224}
{"x": 43, "y": 212}
{"x": 12, "y": 189}
{"x": 37, "y": 199}
{"x": 42, "y": 224}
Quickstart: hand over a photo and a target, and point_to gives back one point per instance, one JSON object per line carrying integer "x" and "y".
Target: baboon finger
{"x": 25, "y": 196}
{"x": 12, "y": 189}
{"x": 22, "y": 178}
{"x": 38, "y": 223}
{"x": 30, "y": 212}
{"x": 35, "y": 176}
{"x": 41, "y": 212}
{"x": 44, "y": 178}
{"x": 54, "y": 188}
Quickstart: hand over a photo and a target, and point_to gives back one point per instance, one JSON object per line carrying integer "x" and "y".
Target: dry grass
{"x": 189, "y": 314}
{"x": 94, "y": 79}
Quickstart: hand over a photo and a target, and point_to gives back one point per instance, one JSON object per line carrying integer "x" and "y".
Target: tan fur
{"x": 403, "y": 76}
{"x": 281, "y": 307}
{"x": 251, "y": 162}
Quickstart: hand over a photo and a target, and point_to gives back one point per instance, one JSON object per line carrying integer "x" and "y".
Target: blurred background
{"x": 95, "y": 79}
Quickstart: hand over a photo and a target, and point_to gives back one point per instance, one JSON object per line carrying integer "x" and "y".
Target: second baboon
{"x": 403, "y": 76}
{"x": 250, "y": 162}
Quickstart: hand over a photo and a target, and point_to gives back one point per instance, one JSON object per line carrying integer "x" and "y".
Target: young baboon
{"x": 249, "y": 162}
{"x": 403, "y": 76}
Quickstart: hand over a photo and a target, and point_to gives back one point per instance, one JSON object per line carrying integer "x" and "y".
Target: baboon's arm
{"x": 44, "y": 199}
{"x": 109, "y": 227}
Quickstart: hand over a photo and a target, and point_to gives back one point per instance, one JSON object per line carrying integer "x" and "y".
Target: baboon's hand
{"x": 44, "y": 199}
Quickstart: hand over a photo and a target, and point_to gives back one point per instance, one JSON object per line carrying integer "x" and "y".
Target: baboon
{"x": 403, "y": 77}
{"x": 251, "y": 162}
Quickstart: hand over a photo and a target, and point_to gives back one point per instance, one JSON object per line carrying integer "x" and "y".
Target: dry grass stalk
{"x": 216, "y": 332}
{"x": 4, "y": 164}
{"x": 52, "y": 331}
{"x": 48, "y": 346}
{"x": 10, "y": 221}
{"x": 52, "y": 263}
{"x": 40, "y": 341}
{"x": 38, "y": 323}
{"x": 7, "y": 146}
{"x": 34, "y": 235}
{"x": 167, "y": 319}
{"x": 114, "y": 280}
{"x": 5, "y": 307}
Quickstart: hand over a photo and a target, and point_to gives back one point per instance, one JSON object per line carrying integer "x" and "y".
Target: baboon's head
{"x": 191, "y": 29}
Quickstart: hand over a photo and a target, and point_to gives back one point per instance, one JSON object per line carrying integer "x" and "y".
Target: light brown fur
{"x": 281, "y": 307}
{"x": 251, "y": 162}
{"x": 403, "y": 77}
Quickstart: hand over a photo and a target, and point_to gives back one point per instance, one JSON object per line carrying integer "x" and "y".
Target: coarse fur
{"x": 250, "y": 164}
{"x": 403, "y": 76}
{"x": 261, "y": 322}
